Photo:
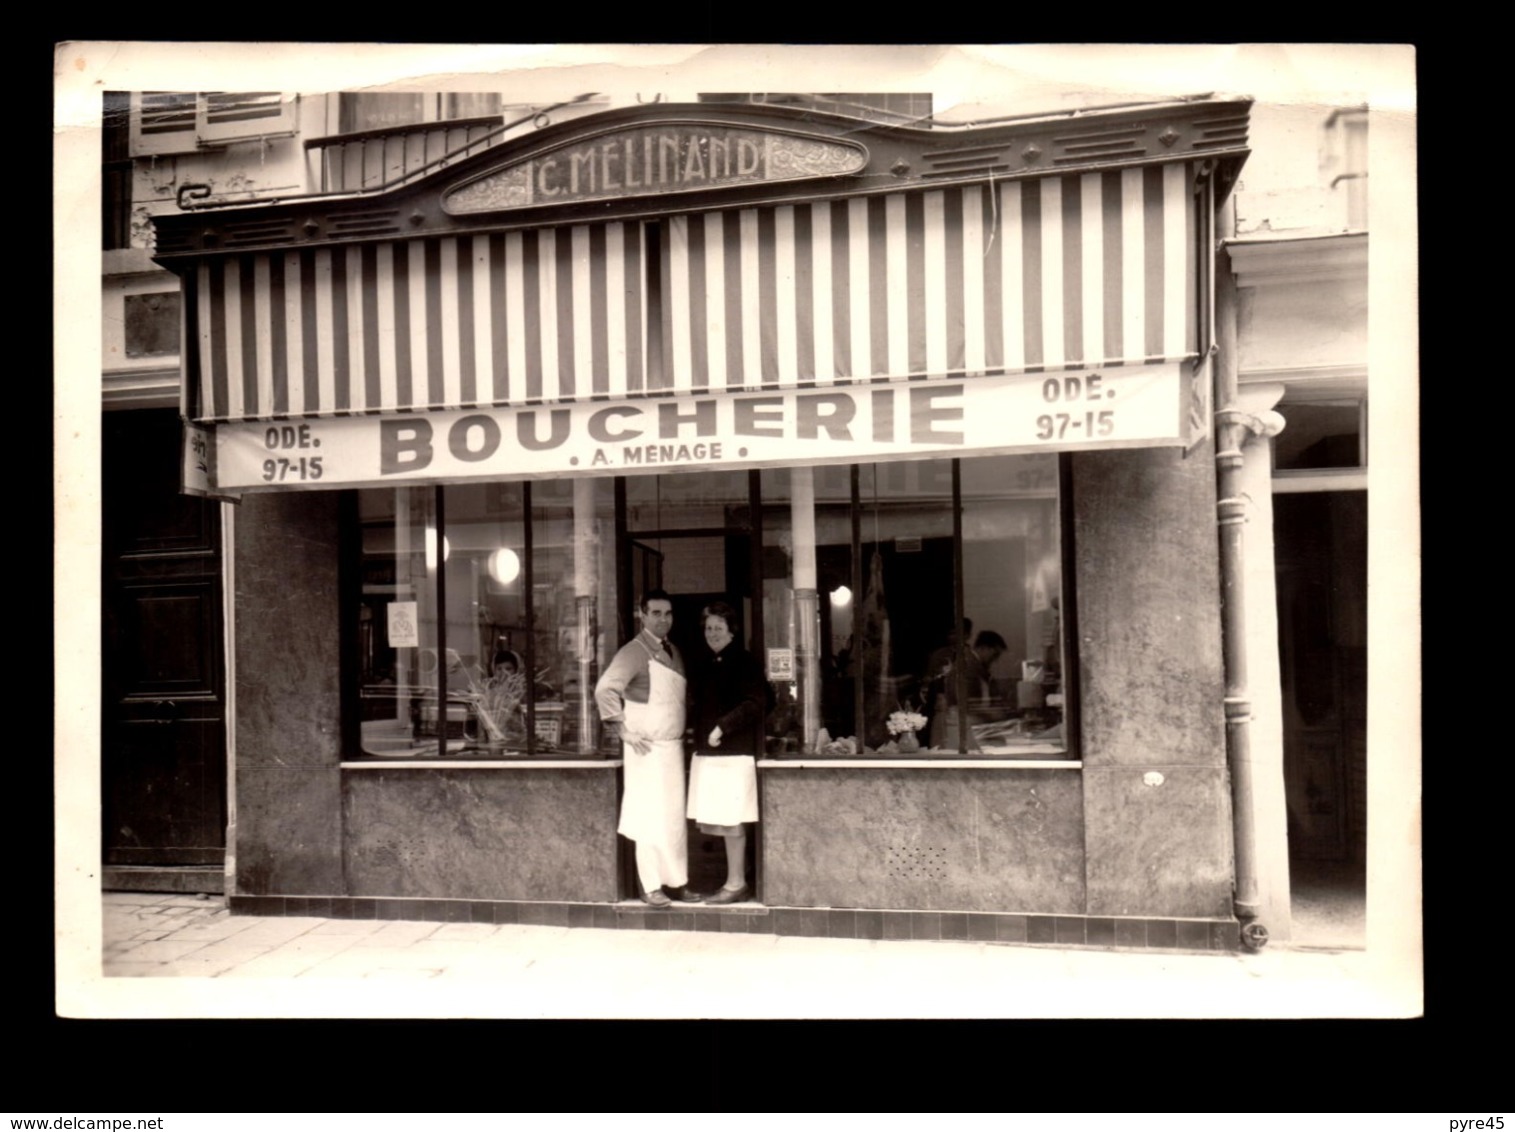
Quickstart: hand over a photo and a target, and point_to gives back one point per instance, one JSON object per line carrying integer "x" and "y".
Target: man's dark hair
{"x": 654, "y": 595}
{"x": 989, "y": 639}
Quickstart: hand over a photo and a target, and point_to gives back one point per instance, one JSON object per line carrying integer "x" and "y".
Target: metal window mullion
{"x": 440, "y": 558}
{"x": 528, "y": 574}
{"x": 960, "y": 677}
{"x": 858, "y": 705}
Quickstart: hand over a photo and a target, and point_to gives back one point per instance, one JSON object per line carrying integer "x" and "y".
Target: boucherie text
{"x": 677, "y": 432}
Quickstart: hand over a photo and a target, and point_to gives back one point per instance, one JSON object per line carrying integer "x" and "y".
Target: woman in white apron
{"x": 728, "y": 703}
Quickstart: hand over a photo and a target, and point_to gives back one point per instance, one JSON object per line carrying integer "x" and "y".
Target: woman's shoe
{"x": 729, "y": 896}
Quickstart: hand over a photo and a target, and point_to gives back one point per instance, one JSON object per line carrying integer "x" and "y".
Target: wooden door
{"x": 163, "y": 734}
{"x": 1320, "y": 541}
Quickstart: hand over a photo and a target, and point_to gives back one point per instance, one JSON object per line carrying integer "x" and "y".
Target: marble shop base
{"x": 1103, "y": 932}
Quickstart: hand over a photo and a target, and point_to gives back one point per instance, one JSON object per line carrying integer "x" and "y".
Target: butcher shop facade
{"x": 930, "y": 408}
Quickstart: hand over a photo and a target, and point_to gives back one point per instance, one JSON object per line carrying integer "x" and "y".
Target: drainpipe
{"x": 1233, "y": 426}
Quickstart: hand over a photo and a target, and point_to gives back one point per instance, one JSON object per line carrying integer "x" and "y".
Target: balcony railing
{"x": 368, "y": 159}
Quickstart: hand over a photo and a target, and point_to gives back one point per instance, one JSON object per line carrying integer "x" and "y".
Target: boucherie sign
{"x": 670, "y": 157}
{"x": 1120, "y": 407}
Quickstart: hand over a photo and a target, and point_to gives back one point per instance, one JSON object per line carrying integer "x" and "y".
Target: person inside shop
{"x": 642, "y": 694}
{"x": 933, "y": 694}
{"x": 728, "y": 700}
{"x": 977, "y": 664}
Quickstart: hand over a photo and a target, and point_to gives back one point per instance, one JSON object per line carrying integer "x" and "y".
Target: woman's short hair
{"x": 725, "y": 612}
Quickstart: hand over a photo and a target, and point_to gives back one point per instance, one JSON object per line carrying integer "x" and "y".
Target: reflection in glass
{"x": 888, "y": 639}
{"x": 397, "y": 624}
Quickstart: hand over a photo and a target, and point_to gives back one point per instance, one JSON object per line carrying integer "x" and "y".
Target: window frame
{"x": 352, "y": 591}
{"x": 207, "y": 124}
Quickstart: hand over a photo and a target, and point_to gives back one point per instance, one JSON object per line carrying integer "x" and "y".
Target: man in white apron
{"x": 643, "y": 691}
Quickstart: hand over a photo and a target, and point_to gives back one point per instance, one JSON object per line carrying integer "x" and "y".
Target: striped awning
{"x": 1062, "y": 272}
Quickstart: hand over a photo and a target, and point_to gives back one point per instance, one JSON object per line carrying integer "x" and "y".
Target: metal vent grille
{"x": 915, "y": 862}
{"x": 399, "y": 853}
{"x": 966, "y": 159}
{"x": 1222, "y": 130}
{"x": 264, "y": 230}
{"x": 168, "y": 241}
{"x": 364, "y": 222}
{"x": 1102, "y": 144}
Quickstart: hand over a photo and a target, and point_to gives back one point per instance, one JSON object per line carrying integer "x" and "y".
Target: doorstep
{"x": 1097, "y": 932}
{"x": 163, "y": 878}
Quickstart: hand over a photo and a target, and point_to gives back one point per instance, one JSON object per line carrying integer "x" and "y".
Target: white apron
{"x": 723, "y": 789}
{"x": 652, "y": 807}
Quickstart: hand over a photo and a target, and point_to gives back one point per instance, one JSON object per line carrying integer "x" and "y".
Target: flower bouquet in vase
{"x": 903, "y": 725}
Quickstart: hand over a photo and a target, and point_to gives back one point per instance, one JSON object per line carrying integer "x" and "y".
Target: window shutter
{"x": 181, "y": 122}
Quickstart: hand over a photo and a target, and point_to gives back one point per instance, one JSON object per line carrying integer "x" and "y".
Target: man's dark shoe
{"x": 688, "y": 895}
{"x": 658, "y": 899}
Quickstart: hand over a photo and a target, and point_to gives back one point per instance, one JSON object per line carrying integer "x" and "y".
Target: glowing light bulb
{"x": 505, "y": 565}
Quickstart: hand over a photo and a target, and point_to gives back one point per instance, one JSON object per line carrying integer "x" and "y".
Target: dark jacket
{"x": 728, "y": 690}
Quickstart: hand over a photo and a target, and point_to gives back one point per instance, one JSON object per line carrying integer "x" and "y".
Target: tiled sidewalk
{"x": 282, "y": 966}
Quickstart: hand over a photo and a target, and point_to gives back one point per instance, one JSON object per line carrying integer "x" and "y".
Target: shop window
{"x": 896, "y": 566}
{"x": 1321, "y": 435}
{"x": 523, "y": 575}
{"x": 488, "y": 610}
{"x": 182, "y": 122}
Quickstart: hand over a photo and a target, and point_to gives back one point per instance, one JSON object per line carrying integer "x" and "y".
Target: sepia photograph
{"x": 614, "y": 531}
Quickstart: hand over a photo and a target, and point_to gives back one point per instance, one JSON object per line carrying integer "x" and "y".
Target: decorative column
{"x": 586, "y": 590}
{"x": 807, "y": 610}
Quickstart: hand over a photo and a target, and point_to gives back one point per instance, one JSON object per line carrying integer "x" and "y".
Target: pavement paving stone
{"x": 223, "y": 928}
{"x": 347, "y": 927}
{"x": 199, "y": 967}
{"x": 405, "y": 973}
{"x": 398, "y": 933}
{"x": 277, "y": 929}
{"x": 124, "y": 970}
{"x": 470, "y": 933}
{"x": 354, "y": 963}
{"x": 162, "y": 950}
{"x": 441, "y": 952}
{"x": 274, "y": 965}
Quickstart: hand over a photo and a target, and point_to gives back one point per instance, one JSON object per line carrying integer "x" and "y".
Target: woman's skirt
{"x": 723, "y": 792}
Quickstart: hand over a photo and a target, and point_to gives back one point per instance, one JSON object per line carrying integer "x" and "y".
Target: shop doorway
{"x": 163, "y": 733}
{"x": 697, "y": 567}
{"x": 1320, "y": 541}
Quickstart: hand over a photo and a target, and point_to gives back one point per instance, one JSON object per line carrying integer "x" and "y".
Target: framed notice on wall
{"x": 404, "y": 630}
{"x": 781, "y": 664}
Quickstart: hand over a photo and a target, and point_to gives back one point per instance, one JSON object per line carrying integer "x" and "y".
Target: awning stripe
{"x": 1018, "y": 276}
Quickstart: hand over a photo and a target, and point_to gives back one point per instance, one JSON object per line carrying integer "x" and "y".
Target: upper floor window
{"x": 1344, "y": 161}
{"x": 894, "y": 109}
{"x": 382, "y": 110}
{"x": 182, "y": 122}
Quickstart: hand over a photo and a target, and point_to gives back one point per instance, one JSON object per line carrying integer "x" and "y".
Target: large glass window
{"x": 896, "y": 605}
{"x": 898, "y": 566}
{"x": 524, "y": 573}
